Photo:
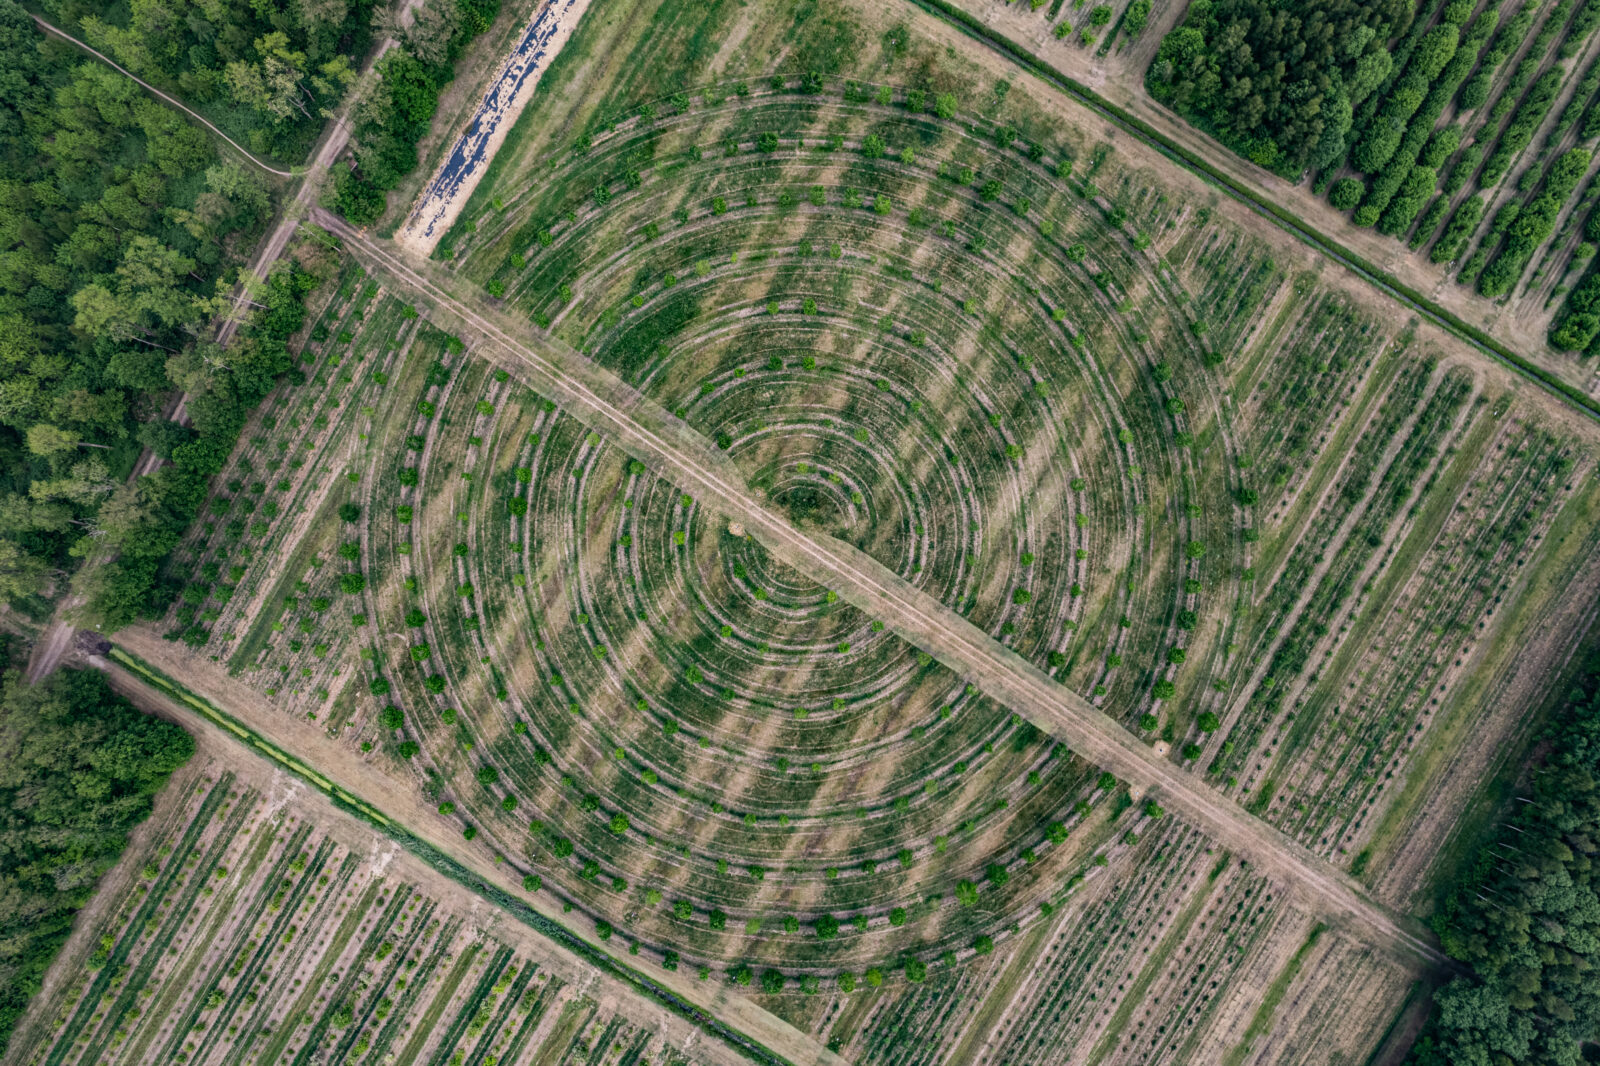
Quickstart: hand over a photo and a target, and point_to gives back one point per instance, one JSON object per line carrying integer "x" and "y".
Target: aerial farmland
{"x": 816, "y": 532}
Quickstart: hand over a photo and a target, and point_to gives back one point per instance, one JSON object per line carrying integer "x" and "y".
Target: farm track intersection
{"x": 647, "y": 432}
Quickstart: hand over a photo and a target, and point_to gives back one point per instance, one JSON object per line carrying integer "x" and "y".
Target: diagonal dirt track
{"x": 669, "y": 446}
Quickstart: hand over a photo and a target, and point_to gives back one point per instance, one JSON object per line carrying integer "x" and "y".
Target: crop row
{"x": 255, "y": 936}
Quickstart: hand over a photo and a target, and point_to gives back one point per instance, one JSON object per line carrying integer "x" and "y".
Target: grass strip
{"x": 497, "y": 1024}
{"x": 470, "y": 1005}
{"x": 440, "y": 1000}
{"x": 533, "y": 1003}
{"x": 1269, "y": 1002}
{"x": 416, "y": 982}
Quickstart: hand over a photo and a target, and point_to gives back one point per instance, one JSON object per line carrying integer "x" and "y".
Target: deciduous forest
{"x": 78, "y": 768}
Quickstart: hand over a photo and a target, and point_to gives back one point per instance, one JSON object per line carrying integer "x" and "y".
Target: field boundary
{"x": 449, "y": 867}
{"x": 1375, "y": 275}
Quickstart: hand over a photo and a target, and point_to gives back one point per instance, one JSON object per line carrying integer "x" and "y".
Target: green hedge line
{"x": 1535, "y": 224}
{"x": 1530, "y": 114}
{"x": 1418, "y": 135}
{"x": 167, "y": 501}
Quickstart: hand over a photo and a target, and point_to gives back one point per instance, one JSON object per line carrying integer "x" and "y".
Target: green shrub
{"x": 1462, "y": 224}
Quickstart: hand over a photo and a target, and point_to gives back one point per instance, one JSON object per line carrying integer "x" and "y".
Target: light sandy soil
{"x": 510, "y": 90}
{"x": 339, "y": 764}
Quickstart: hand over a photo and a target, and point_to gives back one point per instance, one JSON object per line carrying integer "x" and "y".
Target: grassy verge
{"x": 1407, "y": 1005}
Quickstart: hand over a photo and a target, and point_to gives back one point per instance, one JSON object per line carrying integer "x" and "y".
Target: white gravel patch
{"x": 451, "y": 186}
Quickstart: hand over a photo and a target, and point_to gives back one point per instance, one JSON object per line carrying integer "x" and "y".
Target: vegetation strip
{"x": 448, "y": 866}
{"x": 1262, "y": 1020}
{"x": 1379, "y": 277}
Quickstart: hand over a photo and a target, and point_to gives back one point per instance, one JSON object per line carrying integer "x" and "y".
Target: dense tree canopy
{"x": 121, "y": 232}
{"x": 1277, "y": 81}
{"x": 267, "y": 72}
{"x": 1526, "y": 917}
{"x": 117, "y": 221}
{"x": 78, "y": 768}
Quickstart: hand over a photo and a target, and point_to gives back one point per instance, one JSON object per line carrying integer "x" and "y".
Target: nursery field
{"x": 255, "y": 924}
{"x": 1448, "y": 146}
{"x": 1281, "y": 540}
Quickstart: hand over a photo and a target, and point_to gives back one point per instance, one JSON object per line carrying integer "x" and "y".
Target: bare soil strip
{"x": 646, "y": 431}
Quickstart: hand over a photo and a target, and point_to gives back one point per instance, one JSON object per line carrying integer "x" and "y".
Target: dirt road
{"x": 332, "y": 145}
{"x": 58, "y": 636}
{"x": 668, "y": 445}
